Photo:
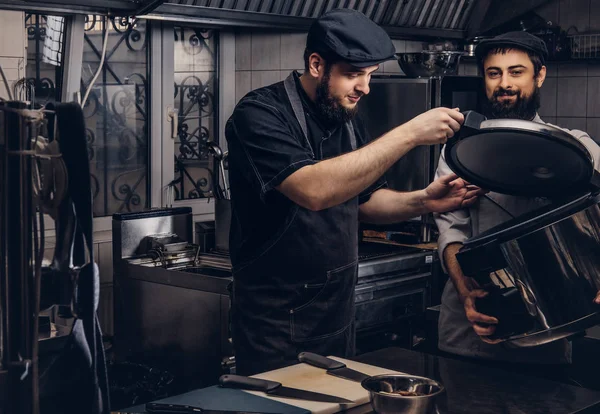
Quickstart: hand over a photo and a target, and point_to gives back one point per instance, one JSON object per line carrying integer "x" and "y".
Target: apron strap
{"x": 290, "y": 89}
{"x": 351, "y": 134}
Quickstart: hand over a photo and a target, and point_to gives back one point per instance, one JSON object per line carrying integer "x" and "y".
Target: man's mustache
{"x": 505, "y": 92}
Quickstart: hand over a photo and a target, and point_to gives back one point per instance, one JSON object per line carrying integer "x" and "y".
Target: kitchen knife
{"x": 162, "y": 408}
{"x": 333, "y": 367}
{"x": 276, "y": 389}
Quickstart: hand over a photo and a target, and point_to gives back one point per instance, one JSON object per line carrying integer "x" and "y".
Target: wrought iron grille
{"x": 45, "y": 47}
{"x": 196, "y": 95}
{"x": 117, "y": 114}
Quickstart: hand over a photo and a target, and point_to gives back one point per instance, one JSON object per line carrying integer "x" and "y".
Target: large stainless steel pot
{"x": 542, "y": 271}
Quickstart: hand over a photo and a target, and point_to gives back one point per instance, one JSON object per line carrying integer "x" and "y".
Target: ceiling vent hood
{"x": 430, "y": 18}
{"x": 446, "y": 19}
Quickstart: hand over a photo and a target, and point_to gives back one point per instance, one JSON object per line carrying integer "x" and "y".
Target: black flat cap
{"x": 350, "y": 36}
{"x": 519, "y": 40}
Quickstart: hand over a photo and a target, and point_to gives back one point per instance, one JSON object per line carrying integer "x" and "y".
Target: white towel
{"x": 53, "y": 42}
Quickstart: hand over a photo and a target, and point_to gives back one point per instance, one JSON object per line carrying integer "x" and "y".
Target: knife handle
{"x": 247, "y": 383}
{"x": 319, "y": 361}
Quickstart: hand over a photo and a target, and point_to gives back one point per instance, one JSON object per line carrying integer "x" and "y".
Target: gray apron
{"x": 298, "y": 293}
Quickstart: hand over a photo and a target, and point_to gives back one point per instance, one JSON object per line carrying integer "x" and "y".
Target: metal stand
{"x": 18, "y": 303}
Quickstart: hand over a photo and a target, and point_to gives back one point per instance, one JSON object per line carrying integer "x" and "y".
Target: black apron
{"x": 298, "y": 294}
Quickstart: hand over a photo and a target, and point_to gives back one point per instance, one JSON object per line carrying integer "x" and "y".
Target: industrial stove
{"x": 393, "y": 291}
{"x": 172, "y": 299}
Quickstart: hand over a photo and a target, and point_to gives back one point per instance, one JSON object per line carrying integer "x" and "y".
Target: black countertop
{"x": 473, "y": 388}
{"x": 470, "y": 388}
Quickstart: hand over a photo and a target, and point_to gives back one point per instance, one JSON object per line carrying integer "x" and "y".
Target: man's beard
{"x": 330, "y": 109}
{"x": 522, "y": 108}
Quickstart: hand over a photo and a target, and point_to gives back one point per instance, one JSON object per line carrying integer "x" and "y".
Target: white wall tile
{"x": 593, "y": 68}
{"x": 572, "y": 97}
{"x": 593, "y": 101}
{"x": 572, "y": 123}
{"x": 285, "y": 73}
{"x": 573, "y": 68}
{"x": 548, "y": 98}
{"x": 551, "y": 69}
{"x": 593, "y": 128}
{"x": 14, "y": 70}
{"x": 243, "y": 84}
{"x": 105, "y": 262}
{"x": 243, "y": 51}
{"x": 400, "y": 45}
{"x": 12, "y": 34}
{"x": 292, "y": 50}
{"x": 266, "y": 51}
{"x": 262, "y": 78}
{"x": 391, "y": 66}
{"x": 413, "y": 46}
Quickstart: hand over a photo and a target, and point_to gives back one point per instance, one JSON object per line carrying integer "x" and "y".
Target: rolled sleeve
{"x": 377, "y": 185}
{"x": 587, "y": 141}
{"x": 453, "y": 226}
{"x": 262, "y": 144}
{"x": 591, "y": 146}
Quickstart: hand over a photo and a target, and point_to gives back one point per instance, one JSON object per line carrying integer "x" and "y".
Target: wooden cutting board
{"x": 311, "y": 378}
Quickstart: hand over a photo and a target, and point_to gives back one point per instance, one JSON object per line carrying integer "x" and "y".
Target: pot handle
{"x": 471, "y": 126}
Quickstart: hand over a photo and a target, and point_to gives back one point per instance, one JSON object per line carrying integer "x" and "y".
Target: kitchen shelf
{"x": 585, "y": 46}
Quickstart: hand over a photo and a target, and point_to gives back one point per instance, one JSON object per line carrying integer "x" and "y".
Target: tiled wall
{"x": 571, "y": 93}
{"x": 13, "y": 52}
{"x": 266, "y": 58}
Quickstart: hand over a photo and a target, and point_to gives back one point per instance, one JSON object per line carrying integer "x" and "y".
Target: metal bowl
{"x": 386, "y": 399}
{"x": 429, "y": 64}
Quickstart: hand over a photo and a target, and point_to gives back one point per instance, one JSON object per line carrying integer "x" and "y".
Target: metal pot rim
{"x": 390, "y": 395}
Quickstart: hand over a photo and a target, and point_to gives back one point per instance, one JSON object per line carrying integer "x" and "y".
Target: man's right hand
{"x": 483, "y": 325}
{"x": 435, "y": 126}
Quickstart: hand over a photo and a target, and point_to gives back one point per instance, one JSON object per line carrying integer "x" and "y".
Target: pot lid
{"x": 517, "y": 157}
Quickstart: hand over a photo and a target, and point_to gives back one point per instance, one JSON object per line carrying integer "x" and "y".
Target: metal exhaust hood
{"x": 445, "y": 19}
{"x": 424, "y": 18}
{"x": 401, "y": 18}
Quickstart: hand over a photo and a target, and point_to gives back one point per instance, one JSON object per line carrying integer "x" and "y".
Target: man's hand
{"x": 597, "y": 298}
{"x": 435, "y": 126}
{"x": 449, "y": 193}
{"x": 483, "y": 325}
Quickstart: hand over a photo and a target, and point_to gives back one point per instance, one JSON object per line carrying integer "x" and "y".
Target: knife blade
{"x": 277, "y": 389}
{"x": 333, "y": 367}
{"x": 165, "y": 408}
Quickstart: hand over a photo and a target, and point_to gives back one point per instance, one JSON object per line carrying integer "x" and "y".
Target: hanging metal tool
{"x": 218, "y": 154}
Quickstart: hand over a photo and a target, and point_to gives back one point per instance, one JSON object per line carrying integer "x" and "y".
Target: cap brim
{"x": 366, "y": 64}
{"x": 486, "y": 45}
